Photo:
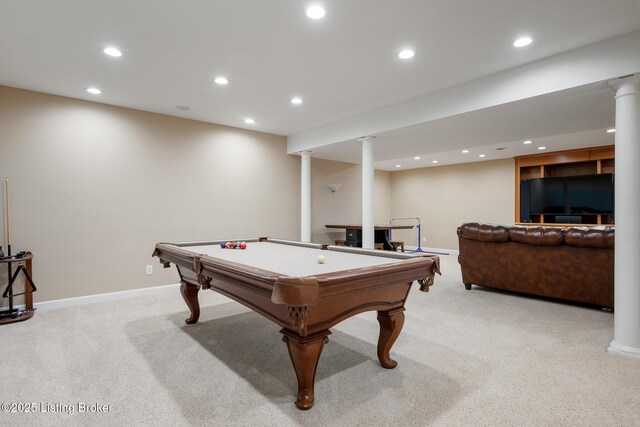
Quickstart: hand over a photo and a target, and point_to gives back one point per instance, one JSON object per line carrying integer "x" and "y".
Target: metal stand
{"x": 419, "y": 226}
{"x": 419, "y": 238}
{"x": 419, "y": 232}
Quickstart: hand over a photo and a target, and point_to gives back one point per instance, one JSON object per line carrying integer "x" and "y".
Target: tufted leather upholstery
{"x": 574, "y": 263}
{"x": 485, "y": 232}
{"x": 538, "y": 236}
{"x": 590, "y": 237}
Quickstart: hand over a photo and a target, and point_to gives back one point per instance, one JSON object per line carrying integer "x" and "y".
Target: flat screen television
{"x": 572, "y": 195}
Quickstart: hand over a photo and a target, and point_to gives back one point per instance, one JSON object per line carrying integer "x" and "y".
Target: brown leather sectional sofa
{"x": 573, "y": 263}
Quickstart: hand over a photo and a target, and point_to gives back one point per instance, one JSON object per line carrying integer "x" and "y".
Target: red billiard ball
{"x": 243, "y": 245}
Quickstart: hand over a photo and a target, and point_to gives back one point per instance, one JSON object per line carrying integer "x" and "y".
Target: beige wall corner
{"x": 94, "y": 187}
{"x": 345, "y": 205}
{"x": 382, "y": 197}
{"x": 445, "y": 197}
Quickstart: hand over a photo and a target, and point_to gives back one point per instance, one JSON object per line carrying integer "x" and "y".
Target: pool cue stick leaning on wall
{"x": 9, "y": 266}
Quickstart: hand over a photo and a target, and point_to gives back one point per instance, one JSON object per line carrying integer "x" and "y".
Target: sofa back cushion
{"x": 538, "y": 236}
{"x": 590, "y": 237}
{"x": 484, "y": 232}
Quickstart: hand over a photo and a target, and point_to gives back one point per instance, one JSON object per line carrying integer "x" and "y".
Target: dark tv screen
{"x": 590, "y": 194}
{"x": 547, "y": 196}
{"x": 572, "y": 195}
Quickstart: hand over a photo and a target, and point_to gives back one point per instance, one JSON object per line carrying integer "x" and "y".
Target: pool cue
{"x": 9, "y": 267}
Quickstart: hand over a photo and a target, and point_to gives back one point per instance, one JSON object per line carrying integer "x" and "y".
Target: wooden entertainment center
{"x": 585, "y": 161}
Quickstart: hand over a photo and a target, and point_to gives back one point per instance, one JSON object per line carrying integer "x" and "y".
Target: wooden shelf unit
{"x": 584, "y": 161}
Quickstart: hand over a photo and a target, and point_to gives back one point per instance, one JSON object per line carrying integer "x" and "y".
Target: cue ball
{"x": 321, "y": 259}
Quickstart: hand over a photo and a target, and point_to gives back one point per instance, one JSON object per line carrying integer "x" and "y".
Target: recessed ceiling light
{"x": 416, "y": 158}
{"x": 406, "y": 54}
{"x": 434, "y": 161}
{"x": 315, "y": 11}
{"x": 398, "y": 166}
{"x": 112, "y": 51}
{"x": 221, "y": 80}
{"x": 612, "y": 130}
{"x": 542, "y": 148}
{"x": 526, "y": 142}
{"x": 465, "y": 151}
{"x": 94, "y": 91}
{"x": 481, "y": 155}
{"x": 183, "y": 107}
{"x": 249, "y": 121}
{"x": 523, "y": 41}
{"x": 296, "y": 100}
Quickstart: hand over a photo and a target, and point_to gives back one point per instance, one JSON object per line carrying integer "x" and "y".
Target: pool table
{"x": 283, "y": 281}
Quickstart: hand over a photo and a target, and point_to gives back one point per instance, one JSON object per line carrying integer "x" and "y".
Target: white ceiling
{"x": 559, "y": 121}
{"x": 342, "y": 65}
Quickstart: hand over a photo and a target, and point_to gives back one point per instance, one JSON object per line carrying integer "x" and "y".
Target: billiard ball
{"x": 243, "y": 245}
{"x": 223, "y": 245}
{"x": 321, "y": 259}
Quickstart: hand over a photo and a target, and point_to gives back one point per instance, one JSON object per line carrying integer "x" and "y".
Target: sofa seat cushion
{"x": 537, "y": 236}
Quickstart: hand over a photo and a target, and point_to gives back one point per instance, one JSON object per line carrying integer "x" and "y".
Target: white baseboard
{"x": 623, "y": 350}
{"x": 111, "y": 296}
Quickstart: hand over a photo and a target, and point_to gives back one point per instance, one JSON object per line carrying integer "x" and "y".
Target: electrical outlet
{"x": 149, "y": 270}
{"x": 424, "y": 239}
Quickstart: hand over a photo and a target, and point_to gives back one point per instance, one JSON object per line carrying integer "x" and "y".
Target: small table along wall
{"x": 381, "y": 234}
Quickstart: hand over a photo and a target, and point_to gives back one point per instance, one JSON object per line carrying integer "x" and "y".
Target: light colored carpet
{"x": 466, "y": 358}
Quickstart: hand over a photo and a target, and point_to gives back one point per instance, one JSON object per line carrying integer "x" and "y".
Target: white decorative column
{"x": 368, "y": 238}
{"x": 626, "y": 330}
{"x": 305, "y": 196}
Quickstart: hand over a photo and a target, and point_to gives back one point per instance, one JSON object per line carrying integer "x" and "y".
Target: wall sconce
{"x": 334, "y": 187}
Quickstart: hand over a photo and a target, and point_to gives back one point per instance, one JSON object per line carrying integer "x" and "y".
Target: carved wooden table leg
{"x": 190, "y": 295}
{"x": 390, "y": 326}
{"x": 305, "y": 353}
